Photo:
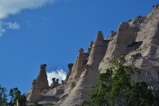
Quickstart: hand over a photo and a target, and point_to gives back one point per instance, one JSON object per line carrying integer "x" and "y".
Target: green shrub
{"x": 116, "y": 88}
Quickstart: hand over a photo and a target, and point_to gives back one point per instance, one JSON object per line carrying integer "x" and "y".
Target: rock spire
{"x": 41, "y": 79}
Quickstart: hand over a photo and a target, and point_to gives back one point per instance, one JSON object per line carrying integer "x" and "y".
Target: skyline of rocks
{"x": 137, "y": 40}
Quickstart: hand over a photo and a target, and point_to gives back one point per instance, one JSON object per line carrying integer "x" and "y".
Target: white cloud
{"x": 60, "y": 74}
{"x": 10, "y": 7}
{"x": 14, "y": 25}
{"x": 4, "y": 26}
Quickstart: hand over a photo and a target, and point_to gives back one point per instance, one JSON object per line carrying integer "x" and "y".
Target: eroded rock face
{"x": 78, "y": 65}
{"x": 98, "y": 49}
{"x": 35, "y": 93}
{"x": 149, "y": 49}
{"x": 129, "y": 41}
{"x": 89, "y": 74}
{"x": 69, "y": 71}
{"x": 118, "y": 46}
{"x": 41, "y": 79}
{"x": 55, "y": 83}
{"x": 137, "y": 40}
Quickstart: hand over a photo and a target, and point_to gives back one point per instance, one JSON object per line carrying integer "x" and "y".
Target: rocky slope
{"x": 137, "y": 40}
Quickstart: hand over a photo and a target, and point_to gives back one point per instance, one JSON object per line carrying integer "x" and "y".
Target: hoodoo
{"x": 41, "y": 79}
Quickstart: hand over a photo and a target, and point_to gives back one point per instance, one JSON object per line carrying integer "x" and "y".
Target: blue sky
{"x": 33, "y": 32}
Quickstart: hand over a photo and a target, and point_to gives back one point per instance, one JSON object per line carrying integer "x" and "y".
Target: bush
{"x": 116, "y": 88}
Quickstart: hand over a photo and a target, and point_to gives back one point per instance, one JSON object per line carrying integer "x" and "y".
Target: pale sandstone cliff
{"x": 137, "y": 40}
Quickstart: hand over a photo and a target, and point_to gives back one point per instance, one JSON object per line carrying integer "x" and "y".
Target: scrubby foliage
{"x": 116, "y": 88}
{"x": 3, "y": 96}
{"x": 14, "y": 93}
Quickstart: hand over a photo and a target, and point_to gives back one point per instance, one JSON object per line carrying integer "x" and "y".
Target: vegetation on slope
{"x": 116, "y": 88}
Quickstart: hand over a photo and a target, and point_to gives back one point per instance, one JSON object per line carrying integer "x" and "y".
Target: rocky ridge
{"x": 137, "y": 40}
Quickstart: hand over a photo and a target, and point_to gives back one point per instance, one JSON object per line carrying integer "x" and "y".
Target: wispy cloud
{"x": 58, "y": 74}
{"x": 8, "y": 7}
{"x": 14, "y": 25}
{"x": 28, "y": 24}
{"x": 2, "y": 30}
{"x": 4, "y": 26}
{"x": 12, "y": 7}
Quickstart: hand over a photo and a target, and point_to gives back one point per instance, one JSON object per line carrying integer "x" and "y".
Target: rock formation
{"x": 53, "y": 84}
{"x": 137, "y": 40}
{"x": 69, "y": 71}
{"x": 89, "y": 74}
{"x": 35, "y": 93}
{"x": 79, "y": 65}
{"x": 38, "y": 85}
{"x": 41, "y": 79}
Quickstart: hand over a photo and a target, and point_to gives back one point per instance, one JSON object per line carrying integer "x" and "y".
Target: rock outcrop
{"x": 79, "y": 65}
{"x": 137, "y": 40}
{"x": 38, "y": 86}
{"x": 69, "y": 71}
{"x": 35, "y": 93}
{"x": 55, "y": 83}
{"x": 41, "y": 79}
{"x": 118, "y": 46}
{"x": 89, "y": 73}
